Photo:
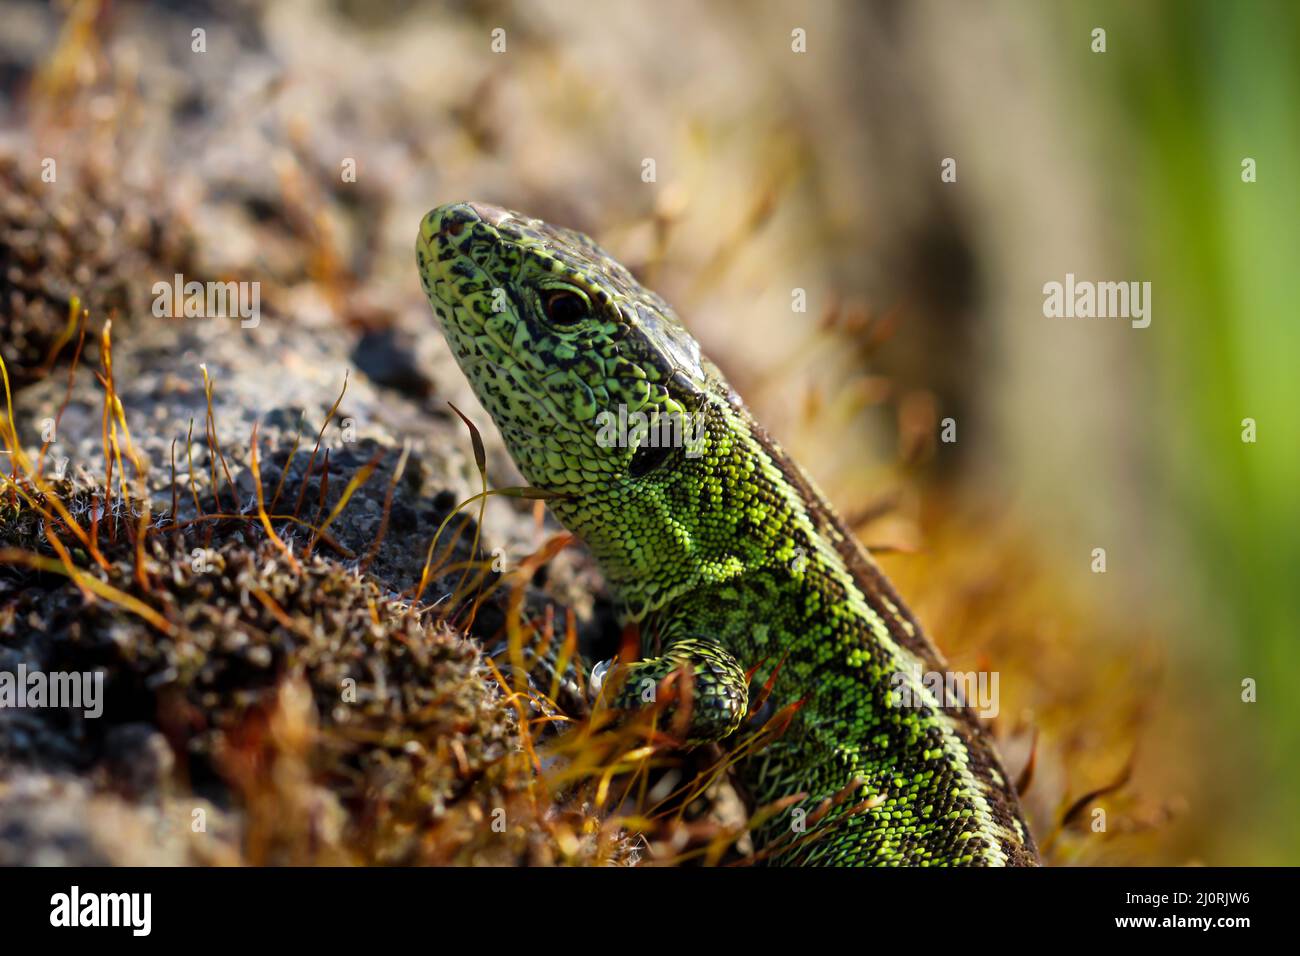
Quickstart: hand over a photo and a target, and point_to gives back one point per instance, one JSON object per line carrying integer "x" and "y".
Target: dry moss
{"x": 84, "y": 237}
{"x": 339, "y": 725}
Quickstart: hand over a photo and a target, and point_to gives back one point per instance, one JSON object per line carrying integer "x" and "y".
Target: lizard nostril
{"x": 454, "y": 217}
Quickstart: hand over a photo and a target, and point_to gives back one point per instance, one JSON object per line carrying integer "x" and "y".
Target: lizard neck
{"x": 685, "y": 525}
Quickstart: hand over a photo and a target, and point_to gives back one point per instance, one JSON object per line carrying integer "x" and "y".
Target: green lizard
{"x": 720, "y": 547}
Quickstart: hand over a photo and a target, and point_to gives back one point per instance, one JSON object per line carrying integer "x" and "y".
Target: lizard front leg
{"x": 709, "y": 685}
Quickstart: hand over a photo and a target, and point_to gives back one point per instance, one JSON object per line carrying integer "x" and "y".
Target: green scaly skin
{"x": 721, "y": 548}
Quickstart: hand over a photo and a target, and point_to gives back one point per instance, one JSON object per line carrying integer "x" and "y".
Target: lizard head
{"x": 569, "y": 354}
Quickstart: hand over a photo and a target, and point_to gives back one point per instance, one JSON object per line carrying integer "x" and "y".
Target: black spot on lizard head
{"x": 580, "y": 366}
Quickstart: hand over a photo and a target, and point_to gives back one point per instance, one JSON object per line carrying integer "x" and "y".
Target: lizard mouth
{"x": 442, "y": 252}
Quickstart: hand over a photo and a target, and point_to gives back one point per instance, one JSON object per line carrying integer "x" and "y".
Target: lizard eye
{"x": 564, "y": 307}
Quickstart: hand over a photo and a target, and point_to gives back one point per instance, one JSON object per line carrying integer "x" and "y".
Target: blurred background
{"x": 800, "y": 147}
